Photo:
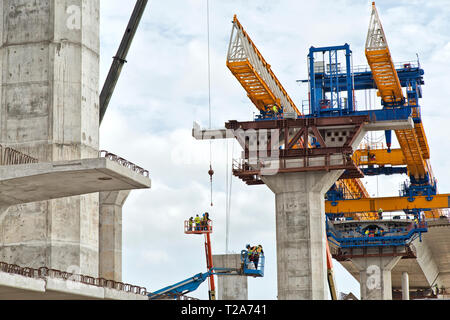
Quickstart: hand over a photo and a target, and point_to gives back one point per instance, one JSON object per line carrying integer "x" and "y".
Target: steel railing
{"x": 9, "y": 156}
{"x": 123, "y": 162}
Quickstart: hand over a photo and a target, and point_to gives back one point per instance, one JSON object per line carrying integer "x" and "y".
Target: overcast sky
{"x": 164, "y": 88}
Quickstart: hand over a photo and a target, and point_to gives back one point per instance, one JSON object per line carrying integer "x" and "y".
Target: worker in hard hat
{"x": 250, "y": 254}
{"x": 205, "y": 221}
{"x": 366, "y": 233}
{"x": 416, "y": 222}
{"x": 380, "y": 214}
{"x": 197, "y": 221}
{"x": 258, "y": 251}
{"x": 275, "y": 109}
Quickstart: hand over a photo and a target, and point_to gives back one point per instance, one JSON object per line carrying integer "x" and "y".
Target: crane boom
{"x": 120, "y": 57}
{"x": 380, "y": 61}
{"x": 253, "y": 72}
{"x": 412, "y": 141}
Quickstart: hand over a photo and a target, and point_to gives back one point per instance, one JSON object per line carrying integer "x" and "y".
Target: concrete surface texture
{"x": 110, "y": 234}
{"x": 405, "y": 286}
{"x": 49, "y": 110}
{"x": 300, "y": 233}
{"x": 19, "y": 287}
{"x": 375, "y": 276}
{"x": 230, "y": 287}
{"x": 43, "y": 181}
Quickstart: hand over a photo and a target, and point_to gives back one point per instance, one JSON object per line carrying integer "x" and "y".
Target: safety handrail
{"x": 10, "y": 156}
{"x": 198, "y": 227}
{"x": 123, "y": 162}
{"x": 44, "y": 273}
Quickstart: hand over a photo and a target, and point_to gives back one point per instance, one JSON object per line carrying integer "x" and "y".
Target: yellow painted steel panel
{"x": 388, "y": 204}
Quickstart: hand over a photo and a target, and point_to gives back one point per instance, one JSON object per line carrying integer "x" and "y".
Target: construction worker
{"x": 366, "y": 233}
{"x": 275, "y": 110}
{"x": 377, "y": 232}
{"x": 258, "y": 251}
{"x": 191, "y": 222}
{"x": 380, "y": 214}
{"x": 197, "y": 223}
{"x": 250, "y": 253}
{"x": 205, "y": 221}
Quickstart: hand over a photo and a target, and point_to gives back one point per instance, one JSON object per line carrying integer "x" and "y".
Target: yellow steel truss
{"x": 388, "y": 204}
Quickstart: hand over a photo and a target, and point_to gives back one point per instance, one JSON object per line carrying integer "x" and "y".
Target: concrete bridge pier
{"x": 375, "y": 276}
{"x": 110, "y": 234}
{"x": 300, "y": 232}
{"x": 405, "y": 285}
{"x": 230, "y": 287}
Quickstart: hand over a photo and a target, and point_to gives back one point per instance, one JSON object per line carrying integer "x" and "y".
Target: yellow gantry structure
{"x": 389, "y": 204}
{"x": 380, "y": 157}
{"x": 354, "y": 189}
{"x": 254, "y": 74}
{"x": 264, "y": 89}
{"x": 413, "y": 142}
{"x": 414, "y": 152}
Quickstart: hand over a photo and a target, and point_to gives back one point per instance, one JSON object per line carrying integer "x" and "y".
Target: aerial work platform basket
{"x": 248, "y": 265}
{"x": 198, "y": 228}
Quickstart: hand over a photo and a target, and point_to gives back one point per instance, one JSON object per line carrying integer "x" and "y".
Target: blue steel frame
{"x": 382, "y": 241}
{"x": 317, "y": 92}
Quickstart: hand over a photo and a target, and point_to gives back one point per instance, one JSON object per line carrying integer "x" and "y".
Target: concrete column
{"x": 405, "y": 286}
{"x": 427, "y": 263}
{"x": 300, "y": 233}
{"x": 230, "y": 287}
{"x": 110, "y": 234}
{"x": 375, "y": 276}
{"x": 49, "y": 83}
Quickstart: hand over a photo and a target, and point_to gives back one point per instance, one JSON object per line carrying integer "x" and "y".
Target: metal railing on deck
{"x": 123, "y": 162}
{"x": 9, "y": 156}
{"x": 44, "y": 272}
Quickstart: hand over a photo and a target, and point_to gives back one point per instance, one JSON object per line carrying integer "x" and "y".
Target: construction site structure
{"x": 61, "y": 197}
{"x": 303, "y": 158}
{"x": 244, "y": 268}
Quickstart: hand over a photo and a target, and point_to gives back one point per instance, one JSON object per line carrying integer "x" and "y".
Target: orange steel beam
{"x": 381, "y": 157}
{"x": 388, "y": 204}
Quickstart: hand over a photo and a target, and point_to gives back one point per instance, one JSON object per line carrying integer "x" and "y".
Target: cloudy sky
{"x": 164, "y": 88}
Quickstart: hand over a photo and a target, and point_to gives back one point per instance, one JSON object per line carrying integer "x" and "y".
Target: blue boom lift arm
{"x": 192, "y": 283}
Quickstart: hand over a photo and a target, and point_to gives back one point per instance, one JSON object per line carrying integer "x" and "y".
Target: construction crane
{"x": 120, "y": 57}
{"x": 413, "y": 142}
{"x": 255, "y": 75}
{"x": 264, "y": 89}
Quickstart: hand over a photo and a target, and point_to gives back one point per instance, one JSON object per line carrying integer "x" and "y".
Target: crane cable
{"x": 211, "y": 171}
{"x": 228, "y": 189}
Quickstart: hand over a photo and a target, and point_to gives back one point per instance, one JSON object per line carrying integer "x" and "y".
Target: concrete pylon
{"x": 230, "y": 287}
{"x": 405, "y": 285}
{"x": 49, "y": 110}
{"x": 110, "y": 234}
{"x": 375, "y": 276}
{"x": 300, "y": 232}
